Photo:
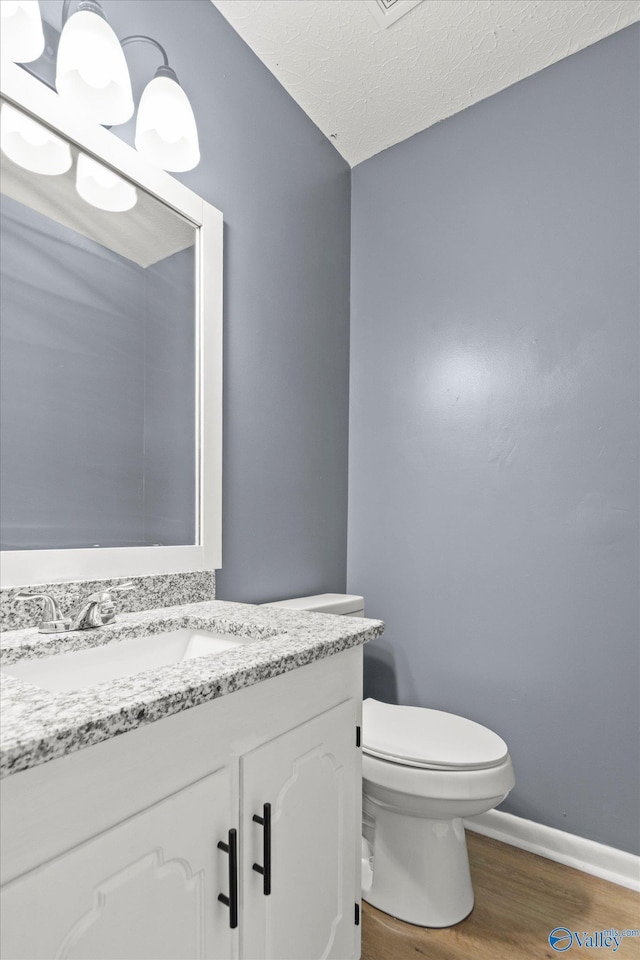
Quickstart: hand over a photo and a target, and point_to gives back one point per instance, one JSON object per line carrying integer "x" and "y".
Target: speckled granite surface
{"x": 38, "y": 725}
{"x": 162, "y": 590}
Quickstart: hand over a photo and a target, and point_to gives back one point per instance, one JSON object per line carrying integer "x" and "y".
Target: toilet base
{"x": 420, "y": 869}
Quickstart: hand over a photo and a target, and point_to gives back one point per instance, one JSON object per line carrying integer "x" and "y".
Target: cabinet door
{"x": 146, "y": 888}
{"x": 311, "y": 777}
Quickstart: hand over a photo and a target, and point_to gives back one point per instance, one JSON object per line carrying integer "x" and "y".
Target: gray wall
{"x": 494, "y": 429}
{"x": 285, "y": 195}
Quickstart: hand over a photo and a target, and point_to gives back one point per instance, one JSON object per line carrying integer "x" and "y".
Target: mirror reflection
{"x": 97, "y": 350}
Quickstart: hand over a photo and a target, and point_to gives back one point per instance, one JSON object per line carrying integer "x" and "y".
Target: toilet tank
{"x": 344, "y": 604}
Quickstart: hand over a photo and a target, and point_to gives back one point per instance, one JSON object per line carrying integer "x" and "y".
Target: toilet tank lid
{"x": 420, "y": 737}
{"x": 324, "y": 603}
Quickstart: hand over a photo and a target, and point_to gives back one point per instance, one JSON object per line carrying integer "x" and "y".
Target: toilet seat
{"x": 428, "y": 739}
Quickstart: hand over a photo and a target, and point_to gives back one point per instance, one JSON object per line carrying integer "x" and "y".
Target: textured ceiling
{"x": 367, "y": 87}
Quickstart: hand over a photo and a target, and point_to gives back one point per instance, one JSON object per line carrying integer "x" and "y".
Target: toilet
{"x": 423, "y": 772}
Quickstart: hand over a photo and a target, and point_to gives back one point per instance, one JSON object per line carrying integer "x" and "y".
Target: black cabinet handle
{"x": 265, "y": 869}
{"x": 232, "y": 900}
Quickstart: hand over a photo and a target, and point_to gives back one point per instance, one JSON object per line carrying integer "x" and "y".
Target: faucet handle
{"x": 52, "y": 619}
{"x": 104, "y": 610}
{"x": 104, "y": 596}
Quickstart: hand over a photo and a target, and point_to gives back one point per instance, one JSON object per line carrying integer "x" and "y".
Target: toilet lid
{"x": 418, "y": 737}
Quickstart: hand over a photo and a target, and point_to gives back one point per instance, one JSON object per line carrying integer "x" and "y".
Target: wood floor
{"x": 520, "y": 898}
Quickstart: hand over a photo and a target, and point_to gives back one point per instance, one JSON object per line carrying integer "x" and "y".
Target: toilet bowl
{"x": 423, "y": 771}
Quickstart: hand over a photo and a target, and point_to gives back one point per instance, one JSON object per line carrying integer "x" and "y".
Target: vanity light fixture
{"x": 166, "y": 131}
{"x": 103, "y": 188}
{"x": 32, "y": 145}
{"x": 22, "y": 36}
{"x": 91, "y": 70}
{"x": 92, "y": 76}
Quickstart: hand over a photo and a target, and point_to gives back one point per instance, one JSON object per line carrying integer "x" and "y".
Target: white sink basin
{"x": 122, "y": 658}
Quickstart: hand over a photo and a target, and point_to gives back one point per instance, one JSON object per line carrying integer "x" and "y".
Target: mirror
{"x": 109, "y": 435}
{"x": 97, "y": 358}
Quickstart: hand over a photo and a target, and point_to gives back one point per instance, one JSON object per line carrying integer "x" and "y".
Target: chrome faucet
{"x": 97, "y": 610}
{"x": 52, "y": 619}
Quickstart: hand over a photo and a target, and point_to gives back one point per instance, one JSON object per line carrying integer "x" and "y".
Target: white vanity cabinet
{"x": 115, "y": 851}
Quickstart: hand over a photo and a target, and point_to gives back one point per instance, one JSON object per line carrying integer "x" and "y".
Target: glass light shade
{"x": 103, "y": 188}
{"x": 166, "y": 131}
{"x": 91, "y": 71}
{"x": 31, "y": 145}
{"x": 22, "y": 37}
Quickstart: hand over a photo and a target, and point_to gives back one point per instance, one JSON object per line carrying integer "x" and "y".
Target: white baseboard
{"x": 616, "y": 866}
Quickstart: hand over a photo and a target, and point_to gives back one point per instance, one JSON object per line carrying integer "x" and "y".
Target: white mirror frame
{"x": 21, "y": 567}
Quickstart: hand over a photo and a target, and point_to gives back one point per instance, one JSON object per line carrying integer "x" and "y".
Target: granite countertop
{"x": 38, "y": 725}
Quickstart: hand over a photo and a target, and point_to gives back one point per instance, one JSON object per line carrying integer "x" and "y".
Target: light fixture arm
{"x": 142, "y": 38}
{"x": 164, "y": 70}
{"x": 93, "y": 6}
